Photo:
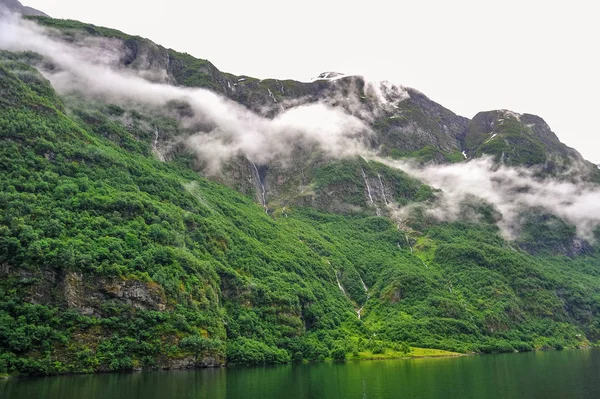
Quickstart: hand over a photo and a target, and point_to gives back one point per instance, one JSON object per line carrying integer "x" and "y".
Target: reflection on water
{"x": 565, "y": 374}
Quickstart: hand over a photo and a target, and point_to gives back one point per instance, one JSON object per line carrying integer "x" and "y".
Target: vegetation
{"x": 512, "y": 141}
{"x": 113, "y": 260}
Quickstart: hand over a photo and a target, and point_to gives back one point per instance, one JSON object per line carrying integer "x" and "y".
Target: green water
{"x": 547, "y": 375}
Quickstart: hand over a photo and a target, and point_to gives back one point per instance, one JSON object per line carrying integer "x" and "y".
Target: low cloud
{"x": 510, "y": 190}
{"x": 93, "y": 67}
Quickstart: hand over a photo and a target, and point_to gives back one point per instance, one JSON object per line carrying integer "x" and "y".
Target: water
{"x": 544, "y": 375}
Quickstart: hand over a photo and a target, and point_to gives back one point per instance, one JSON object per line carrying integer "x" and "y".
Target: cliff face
{"x": 97, "y": 297}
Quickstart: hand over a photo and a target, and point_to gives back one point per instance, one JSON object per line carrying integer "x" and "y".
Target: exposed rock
{"x": 16, "y": 6}
{"x": 74, "y": 290}
{"x": 520, "y": 139}
{"x": 190, "y": 362}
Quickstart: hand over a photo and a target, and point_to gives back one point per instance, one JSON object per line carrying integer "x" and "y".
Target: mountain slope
{"x": 406, "y": 123}
{"x": 519, "y": 140}
{"x": 113, "y": 259}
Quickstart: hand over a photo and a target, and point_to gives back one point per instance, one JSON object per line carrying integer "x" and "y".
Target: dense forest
{"x": 111, "y": 259}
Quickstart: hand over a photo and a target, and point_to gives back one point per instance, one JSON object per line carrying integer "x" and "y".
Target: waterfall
{"x": 359, "y": 311}
{"x": 272, "y": 96}
{"x": 263, "y": 195}
{"x": 364, "y": 285}
{"x": 368, "y": 186}
{"x": 382, "y": 190}
{"x": 155, "y": 146}
{"x": 340, "y": 285}
{"x": 377, "y": 210}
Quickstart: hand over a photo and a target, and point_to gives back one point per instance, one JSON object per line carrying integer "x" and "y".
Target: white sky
{"x": 539, "y": 57}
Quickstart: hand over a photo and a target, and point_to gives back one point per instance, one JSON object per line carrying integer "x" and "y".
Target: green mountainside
{"x": 113, "y": 259}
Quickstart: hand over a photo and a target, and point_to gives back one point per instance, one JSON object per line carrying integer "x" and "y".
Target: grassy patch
{"x": 414, "y": 353}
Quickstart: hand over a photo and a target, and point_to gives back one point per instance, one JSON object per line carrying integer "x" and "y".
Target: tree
{"x": 338, "y": 354}
{"x": 405, "y": 348}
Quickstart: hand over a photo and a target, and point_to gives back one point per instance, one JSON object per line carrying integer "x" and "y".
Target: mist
{"x": 510, "y": 190}
{"x": 92, "y": 67}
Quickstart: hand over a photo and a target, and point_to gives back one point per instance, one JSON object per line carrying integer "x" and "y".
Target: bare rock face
{"x": 135, "y": 293}
{"x": 190, "y": 362}
{"x": 85, "y": 293}
{"x": 16, "y": 6}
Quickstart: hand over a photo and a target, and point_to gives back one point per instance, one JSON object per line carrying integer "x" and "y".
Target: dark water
{"x": 547, "y": 375}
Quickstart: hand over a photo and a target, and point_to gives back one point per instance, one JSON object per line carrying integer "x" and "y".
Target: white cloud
{"x": 510, "y": 190}
{"x": 531, "y": 56}
{"x": 91, "y": 66}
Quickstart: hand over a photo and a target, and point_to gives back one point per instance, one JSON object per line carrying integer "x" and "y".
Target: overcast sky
{"x": 530, "y": 56}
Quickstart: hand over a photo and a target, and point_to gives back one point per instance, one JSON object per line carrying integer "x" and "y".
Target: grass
{"x": 414, "y": 353}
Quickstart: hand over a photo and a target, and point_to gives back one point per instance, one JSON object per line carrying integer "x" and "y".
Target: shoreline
{"x": 4, "y": 377}
{"x": 413, "y": 357}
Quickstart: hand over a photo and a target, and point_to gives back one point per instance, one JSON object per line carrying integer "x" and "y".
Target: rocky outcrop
{"x": 86, "y": 293}
{"x": 190, "y": 362}
{"x": 519, "y": 139}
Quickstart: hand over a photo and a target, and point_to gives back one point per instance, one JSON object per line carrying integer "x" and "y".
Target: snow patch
{"x": 331, "y": 76}
{"x": 508, "y": 113}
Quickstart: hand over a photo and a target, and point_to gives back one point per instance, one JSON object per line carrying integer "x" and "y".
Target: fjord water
{"x": 548, "y": 375}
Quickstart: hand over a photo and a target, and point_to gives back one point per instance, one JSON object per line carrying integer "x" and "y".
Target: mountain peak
{"x": 16, "y": 6}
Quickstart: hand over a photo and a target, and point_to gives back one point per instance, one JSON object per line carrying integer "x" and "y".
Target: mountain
{"x": 16, "y": 6}
{"x": 123, "y": 247}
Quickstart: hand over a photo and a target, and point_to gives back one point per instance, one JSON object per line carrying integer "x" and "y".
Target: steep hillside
{"x": 116, "y": 253}
{"x": 407, "y": 124}
{"x": 517, "y": 139}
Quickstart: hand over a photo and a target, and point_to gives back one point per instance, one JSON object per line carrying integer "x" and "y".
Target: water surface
{"x": 547, "y": 375}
